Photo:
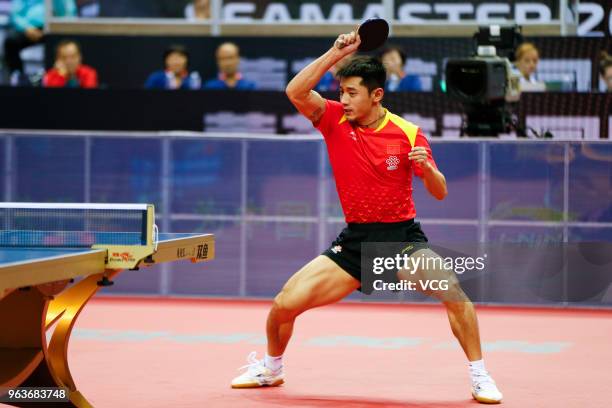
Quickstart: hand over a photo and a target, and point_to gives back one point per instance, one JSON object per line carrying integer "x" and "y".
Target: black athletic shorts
{"x": 346, "y": 248}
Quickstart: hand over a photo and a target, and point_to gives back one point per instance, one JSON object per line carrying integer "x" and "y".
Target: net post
{"x": 150, "y": 220}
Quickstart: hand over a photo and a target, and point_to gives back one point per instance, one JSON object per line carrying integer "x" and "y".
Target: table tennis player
{"x": 374, "y": 155}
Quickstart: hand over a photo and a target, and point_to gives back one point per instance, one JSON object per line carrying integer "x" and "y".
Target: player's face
{"x": 356, "y": 100}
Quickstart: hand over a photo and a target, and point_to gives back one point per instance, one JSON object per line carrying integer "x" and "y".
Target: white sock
{"x": 477, "y": 366}
{"x": 273, "y": 363}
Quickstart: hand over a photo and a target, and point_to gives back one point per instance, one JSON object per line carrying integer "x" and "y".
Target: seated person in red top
{"x": 68, "y": 71}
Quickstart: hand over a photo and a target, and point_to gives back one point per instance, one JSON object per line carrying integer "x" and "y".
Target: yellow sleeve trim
{"x": 410, "y": 129}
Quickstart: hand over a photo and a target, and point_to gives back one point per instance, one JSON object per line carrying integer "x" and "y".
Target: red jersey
{"x": 86, "y": 76}
{"x": 371, "y": 166}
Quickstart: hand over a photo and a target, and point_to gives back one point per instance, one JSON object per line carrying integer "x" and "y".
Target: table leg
{"x": 31, "y": 314}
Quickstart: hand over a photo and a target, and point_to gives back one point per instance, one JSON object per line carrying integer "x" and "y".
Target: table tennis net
{"x": 70, "y": 227}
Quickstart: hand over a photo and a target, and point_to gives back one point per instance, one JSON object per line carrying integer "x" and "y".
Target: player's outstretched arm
{"x": 300, "y": 89}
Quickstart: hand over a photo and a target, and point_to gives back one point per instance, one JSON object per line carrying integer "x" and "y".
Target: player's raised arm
{"x": 300, "y": 89}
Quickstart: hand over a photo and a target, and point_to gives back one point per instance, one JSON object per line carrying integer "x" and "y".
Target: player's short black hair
{"x": 391, "y": 48}
{"x": 176, "y": 49}
{"x": 370, "y": 69}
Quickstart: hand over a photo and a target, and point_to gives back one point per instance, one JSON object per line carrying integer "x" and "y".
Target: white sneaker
{"x": 257, "y": 375}
{"x": 484, "y": 389}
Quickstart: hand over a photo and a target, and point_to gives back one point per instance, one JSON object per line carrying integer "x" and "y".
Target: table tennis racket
{"x": 373, "y": 33}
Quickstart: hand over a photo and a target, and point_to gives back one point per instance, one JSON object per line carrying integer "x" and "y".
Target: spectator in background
{"x": 228, "y": 62}
{"x": 176, "y": 72}
{"x": 329, "y": 82}
{"x": 88, "y": 8}
{"x": 605, "y": 70}
{"x": 198, "y": 10}
{"x": 69, "y": 71}
{"x": 526, "y": 61}
{"x": 26, "y": 24}
{"x": 394, "y": 60}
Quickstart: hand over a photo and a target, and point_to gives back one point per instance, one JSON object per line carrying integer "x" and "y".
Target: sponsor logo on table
{"x": 122, "y": 257}
{"x": 202, "y": 251}
{"x": 199, "y": 252}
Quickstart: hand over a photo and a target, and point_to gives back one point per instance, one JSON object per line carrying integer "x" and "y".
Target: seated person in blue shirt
{"x": 329, "y": 82}
{"x": 394, "y": 59}
{"x": 228, "y": 61}
{"x": 176, "y": 72}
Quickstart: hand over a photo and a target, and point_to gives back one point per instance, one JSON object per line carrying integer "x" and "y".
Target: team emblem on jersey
{"x": 392, "y": 162}
{"x": 353, "y": 135}
{"x": 336, "y": 249}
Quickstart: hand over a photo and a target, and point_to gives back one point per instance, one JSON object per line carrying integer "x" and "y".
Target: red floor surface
{"x": 183, "y": 353}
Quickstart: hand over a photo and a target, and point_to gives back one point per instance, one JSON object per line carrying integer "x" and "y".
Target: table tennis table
{"x": 53, "y": 259}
